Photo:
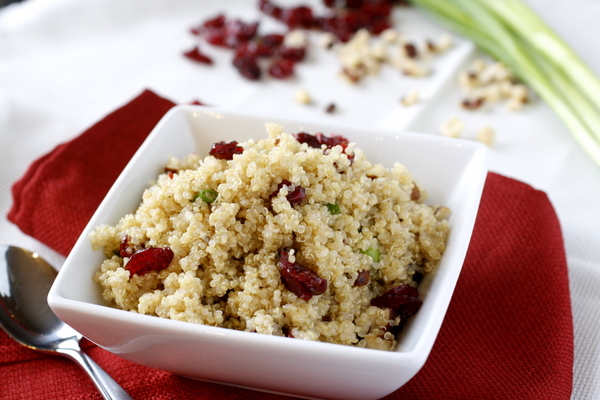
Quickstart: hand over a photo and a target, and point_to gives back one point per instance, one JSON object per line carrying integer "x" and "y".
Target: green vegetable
{"x": 512, "y": 33}
{"x": 373, "y": 253}
{"x": 206, "y": 195}
{"x": 334, "y": 209}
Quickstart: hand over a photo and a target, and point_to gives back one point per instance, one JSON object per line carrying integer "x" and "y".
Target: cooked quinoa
{"x": 363, "y": 228}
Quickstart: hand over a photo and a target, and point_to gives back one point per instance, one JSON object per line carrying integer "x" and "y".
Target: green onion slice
{"x": 373, "y": 253}
{"x": 333, "y": 208}
{"x": 206, "y": 195}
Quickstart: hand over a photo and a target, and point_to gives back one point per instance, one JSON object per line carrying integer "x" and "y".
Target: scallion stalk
{"x": 513, "y": 34}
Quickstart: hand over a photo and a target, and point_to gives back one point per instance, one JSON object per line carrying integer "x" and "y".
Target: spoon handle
{"x": 107, "y": 386}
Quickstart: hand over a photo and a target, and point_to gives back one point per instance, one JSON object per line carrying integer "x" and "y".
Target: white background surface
{"x": 64, "y": 64}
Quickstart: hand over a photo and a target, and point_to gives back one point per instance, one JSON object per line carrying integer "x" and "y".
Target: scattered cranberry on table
{"x": 344, "y": 19}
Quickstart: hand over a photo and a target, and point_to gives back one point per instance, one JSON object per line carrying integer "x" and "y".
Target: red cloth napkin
{"x": 508, "y": 333}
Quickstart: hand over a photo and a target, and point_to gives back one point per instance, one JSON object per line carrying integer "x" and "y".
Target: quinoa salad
{"x": 295, "y": 235}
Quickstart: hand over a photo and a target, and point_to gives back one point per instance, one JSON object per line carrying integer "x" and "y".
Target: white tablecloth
{"x": 64, "y": 64}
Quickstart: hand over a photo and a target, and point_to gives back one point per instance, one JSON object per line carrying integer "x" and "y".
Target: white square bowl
{"x": 452, "y": 171}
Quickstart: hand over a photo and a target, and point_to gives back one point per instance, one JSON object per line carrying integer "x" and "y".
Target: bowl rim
{"x": 59, "y": 301}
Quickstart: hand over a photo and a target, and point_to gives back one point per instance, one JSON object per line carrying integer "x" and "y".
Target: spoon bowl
{"x": 25, "y": 280}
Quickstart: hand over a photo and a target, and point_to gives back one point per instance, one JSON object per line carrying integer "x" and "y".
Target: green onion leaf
{"x": 373, "y": 253}
{"x": 206, "y": 195}
{"x": 334, "y": 209}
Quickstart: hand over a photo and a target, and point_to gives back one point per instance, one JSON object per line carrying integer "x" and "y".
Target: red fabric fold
{"x": 64, "y": 187}
{"x": 508, "y": 333}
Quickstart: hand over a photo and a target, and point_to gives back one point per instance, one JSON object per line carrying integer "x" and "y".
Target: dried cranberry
{"x": 417, "y": 277}
{"x": 150, "y": 259}
{"x": 196, "y": 55}
{"x": 282, "y": 68}
{"x": 273, "y": 39}
{"x": 379, "y": 25}
{"x": 125, "y": 249}
{"x": 270, "y": 9}
{"x": 247, "y": 66}
{"x": 287, "y": 331}
{"x": 268, "y": 45}
{"x": 376, "y": 9}
{"x": 217, "y": 37}
{"x": 299, "y": 279}
{"x": 351, "y": 15}
{"x": 330, "y": 109}
{"x": 226, "y": 33}
{"x": 171, "y": 172}
{"x": 296, "y": 194}
{"x": 225, "y": 151}
{"x": 319, "y": 139}
{"x": 241, "y": 31}
{"x": 403, "y": 300}
{"x": 335, "y": 140}
{"x": 292, "y": 53}
{"x": 307, "y": 138}
{"x": 298, "y": 17}
{"x": 353, "y": 21}
{"x": 351, "y": 3}
{"x": 294, "y": 17}
{"x": 363, "y": 278}
{"x": 210, "y": 24}
{"x": 216, "y": 22}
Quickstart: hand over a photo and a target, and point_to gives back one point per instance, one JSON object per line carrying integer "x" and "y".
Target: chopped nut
{"x": 429, "y": 46}
{"x": 390, "y": 35}
{"x": 303, "y": 97}
{"x": 358, "y": 58}
{"x": 506, "y": 88}
{"x": 415, "y": 194}
{"x": 371, "y": 66}
{"x": 364, "y": 54}
{"x": 519, "y": 92}
{"x": 493, "y": 92}
{"x": 514, "y": 104}
{"x": 350, "y": 76}
{"x": 410, "y": 99}
{"x": 486, "y": 135}
{"x": 468, "y": 79}
{"x": 295, "y": 38}
{"x": 472, "y": 104}
{"x": 412, "y": 68}
{"x": 327, "y": 40}
{"x": 493, "y": 82}
{"x": 499, "y": 72}
{"x": 376, "y": 171}
{"x": 444, "y": 43}
{"x": 477, "y": 66}
{"x": 452, "y": 127}
{"x": 379, "y": 51}
{"x": 354, "y": 60}
{"x": 442, "y": 213}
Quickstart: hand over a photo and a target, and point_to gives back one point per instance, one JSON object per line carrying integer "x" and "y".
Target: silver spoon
{"x": 25, "y": 279}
